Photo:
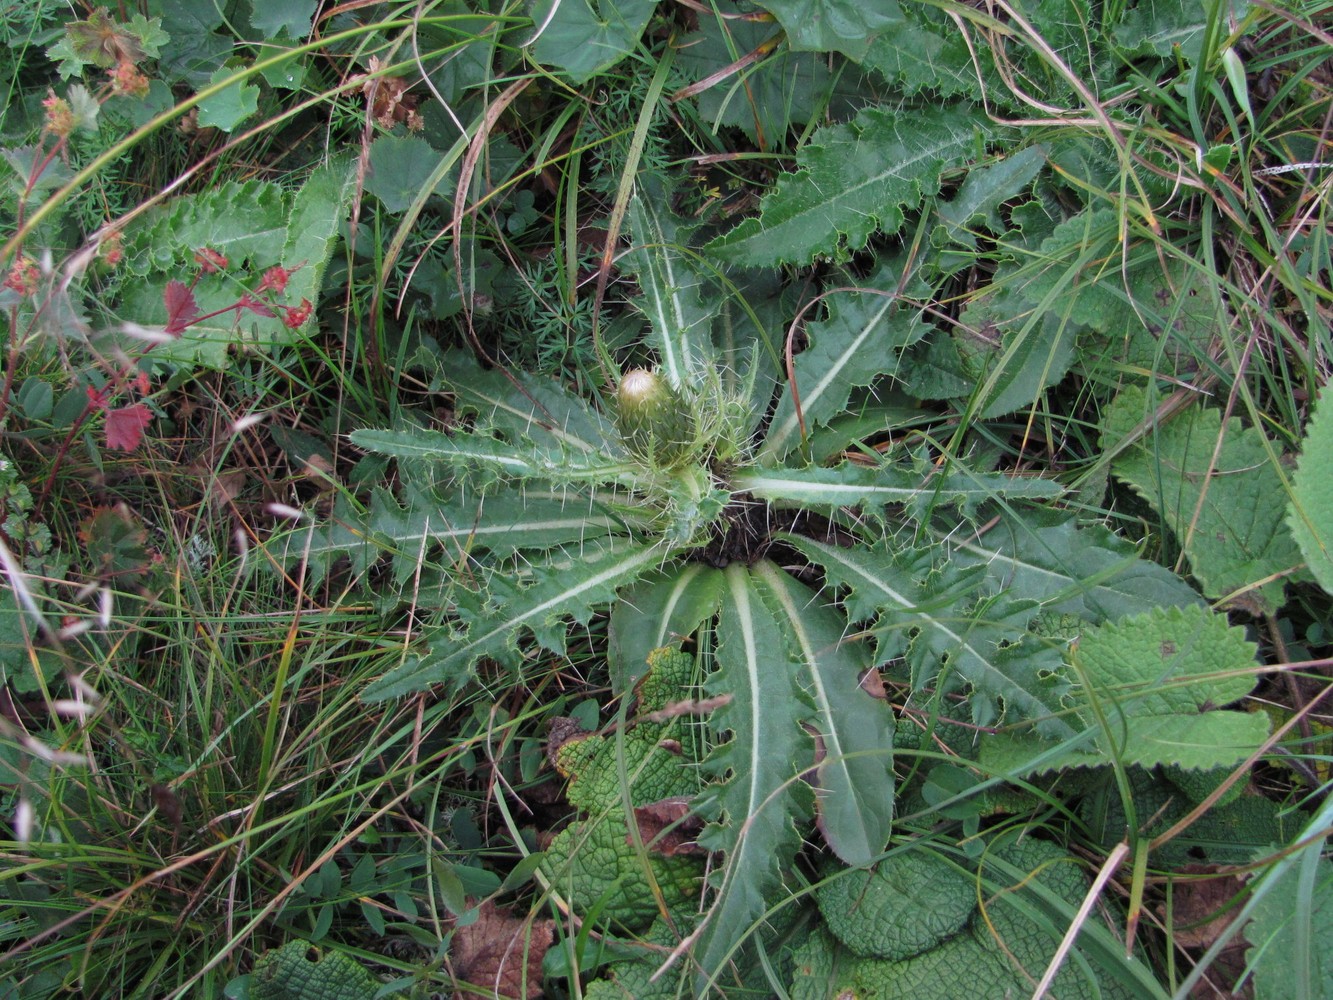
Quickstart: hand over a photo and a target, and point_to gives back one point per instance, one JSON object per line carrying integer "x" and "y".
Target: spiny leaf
{"x": 476, "y": 453}
{"x": 854, "y": 179}
{"x": 1086, "y": 571}
{"x": 868, "y": 486}
{"x": 759, "y": 796}
{"x": 928, "y": 52}
{"x": 948, "y": 625}
{"x": 671, "y": 285}
{"x": 854, "y": 346}
{"x": 854, "y": 776}
{"x": 542, "y": 603}
{"x": 658, "y": 610}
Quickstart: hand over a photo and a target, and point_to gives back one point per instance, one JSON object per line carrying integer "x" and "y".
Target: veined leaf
{"x": 426, "y": 526}
{"x": 1222, "y": 501}
{"x": 755, "y": 808}
{"x": 659, "y": 610}
{"x": 854, "y": 179}
{"x": 1156, "y": 678}
{"x": 845, "y": 26}
{"x": 471, "y": 452}
{"x": 855, "y": 776}
{"x": 543, "y": 603}
{"x": 526, "y": 407}
{"x": 928, "y": 52}
{"x": 671, "y": 286}
{"x": 854, "y": 346}
{"x": 1086, "y": 571}
{"x": 584, "y": 37}
{"x": 947, "y": 624}
{"x": 866, "y": 486}
{"x": 1310, "y": 511}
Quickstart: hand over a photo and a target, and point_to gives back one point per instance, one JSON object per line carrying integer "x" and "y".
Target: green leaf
{"x": 1163, "y": 27}
{"x": 585, "y": 37}
{"x": 846, "y": 26}
{"x": 1086, "y": 571}
{"x": 314, "y": 224}
{"x": 659, "y": 610}
{"x": 230, "y": 106}
{"x": 908, "y": 903}
{"x": 672, "y": 287}
{"x": 1219, "y": 491}
{"x": 245, "y": 221}
{"x": 854, "y": 346}
{"x": 928, "y": 52}
{"x": 854, "y": 179}
{"x": 297, "y": 971}
{"x": 1289, "y": 932}
{"x": 493, "y": 458}
{"x": 1156, "y": 679}
{"x": 541, "y": 602}
{"x": 1310, "y": 509}
{"x": 870, "y": 486}
{"x": 292, "y": 18}
{"x": 854, "y": 776}
{"x": 950, "y": 629}
{"x": 522, "y": 406}
{"x": 759, "y": 796}
{"x": 400, "y": 167}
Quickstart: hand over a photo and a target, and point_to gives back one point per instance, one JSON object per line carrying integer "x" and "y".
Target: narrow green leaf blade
{"x": 755, "y": 809}
{"x": 855, "y": 790}
{"x": 867, "y": 486}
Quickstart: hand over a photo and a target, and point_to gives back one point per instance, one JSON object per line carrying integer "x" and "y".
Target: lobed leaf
{"x": 950, "y": 629}
{"x": 759, "y": 797}
{"x": 851, "y": 180}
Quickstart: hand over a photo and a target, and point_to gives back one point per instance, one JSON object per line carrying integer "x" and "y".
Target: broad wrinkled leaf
{"x": 1224, "y": 503}
{"x": 1310, "y": 510}
{"x": 1157, "y": 679}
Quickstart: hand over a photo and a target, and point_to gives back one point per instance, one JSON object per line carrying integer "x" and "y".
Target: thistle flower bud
{"x": 653, "y": 420}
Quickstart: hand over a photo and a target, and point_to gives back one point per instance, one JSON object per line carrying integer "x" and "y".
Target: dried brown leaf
{"x": 501, "y": 953}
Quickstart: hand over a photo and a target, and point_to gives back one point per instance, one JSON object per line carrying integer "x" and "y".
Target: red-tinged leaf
{"x": 255, "y": 305}
{"x": 97, "y": 397}
{"x": 181, "y": 307}
{"x": 124, "y": 426}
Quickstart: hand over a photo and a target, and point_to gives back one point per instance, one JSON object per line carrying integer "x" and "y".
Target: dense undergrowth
{"x": 650, "y": 499}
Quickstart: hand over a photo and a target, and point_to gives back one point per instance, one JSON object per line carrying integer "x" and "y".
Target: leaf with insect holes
{"x": 181, "y": 306}
{"x": 124, "y": 426}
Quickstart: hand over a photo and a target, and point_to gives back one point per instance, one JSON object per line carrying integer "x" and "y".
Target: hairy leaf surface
{"x": 1310, "y": 510}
